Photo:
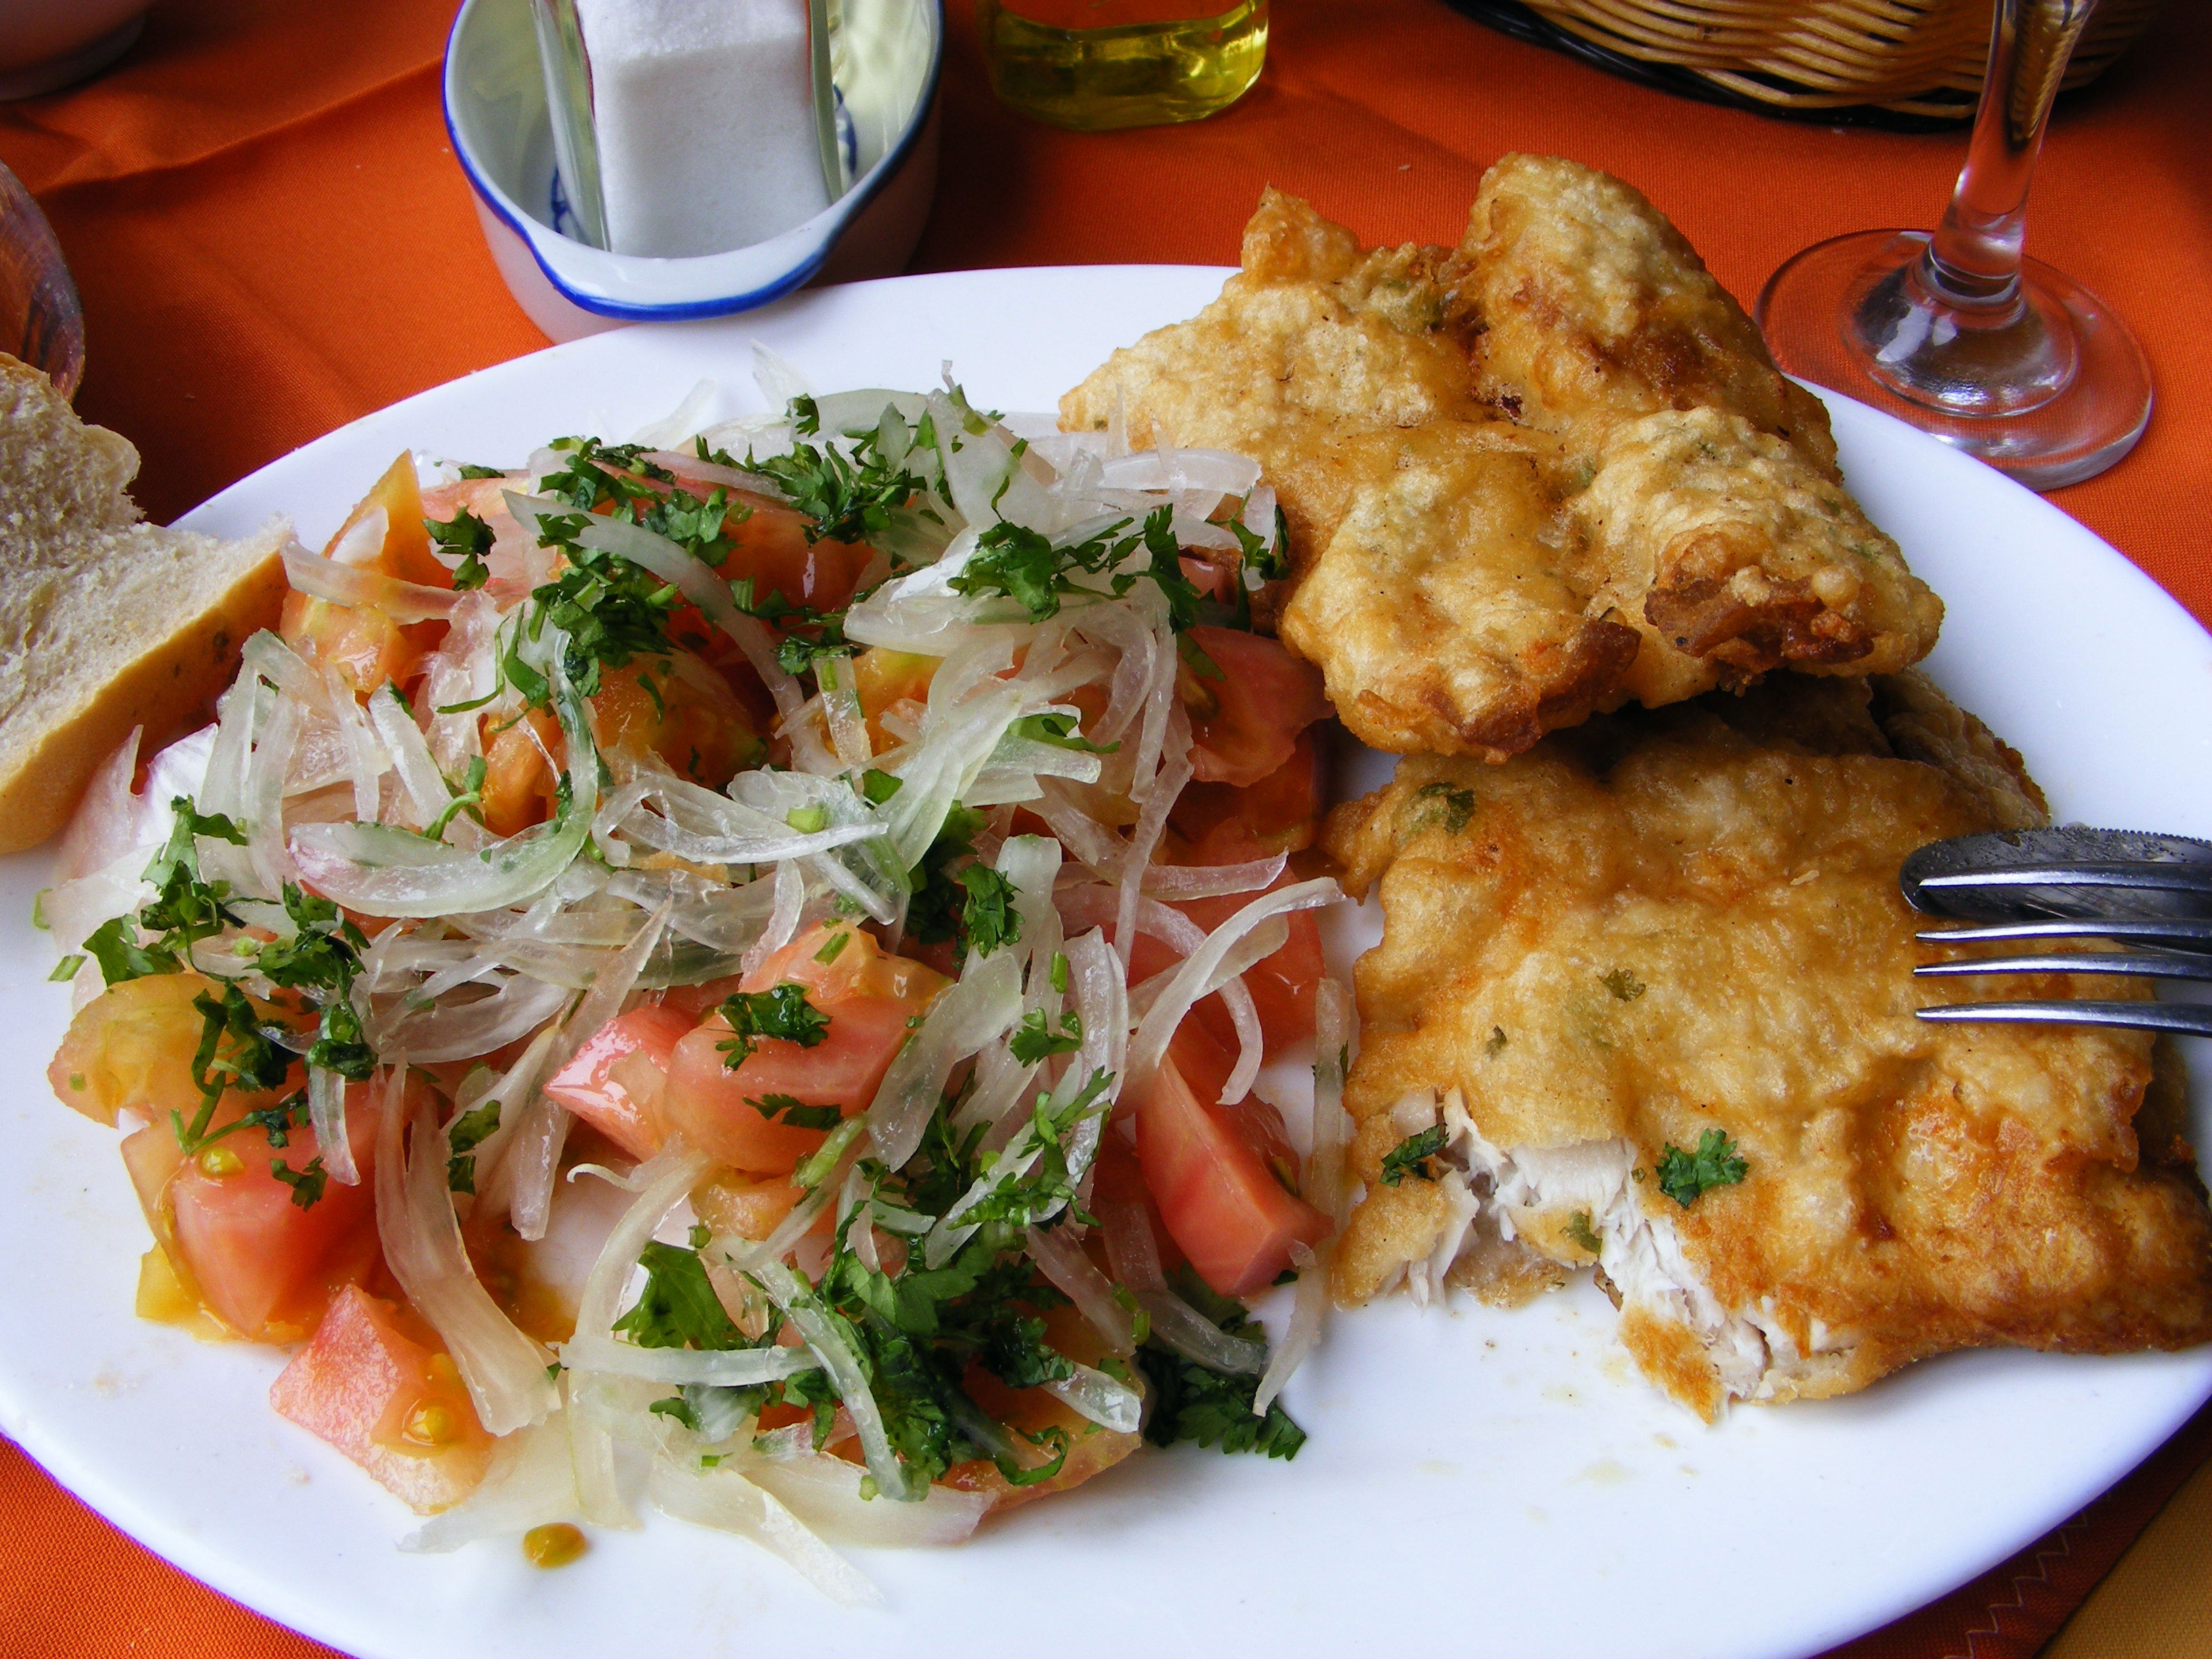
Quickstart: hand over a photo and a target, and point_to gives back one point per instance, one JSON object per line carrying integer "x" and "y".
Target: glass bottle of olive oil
{"x": 1096, "y": 65}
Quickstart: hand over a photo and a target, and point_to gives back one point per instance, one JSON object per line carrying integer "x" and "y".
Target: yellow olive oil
{"x": 1096, "y": 65}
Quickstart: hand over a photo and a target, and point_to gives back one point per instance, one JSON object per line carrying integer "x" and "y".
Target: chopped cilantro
{"x": 1453, "y": 807}
{"x": 782, "y": 1011}
{"x": 1683, "y": 1176}
{"x": 1411, "y": 1156}
{"x": 307, "y": 1184}
{"x": 795, "y": 1112}
{"x": 846, "y": 498}
{"x": 469, "y": 536}
{"x": 1059, "y": 731}
{"x": 989, "y": 918}
{"x": 463, "y": 1136}
{"x": 1191, "y": 1402}
{"x": 1268, "y": 559}
{"x": 1033, "y": 1039}
{"x": 1623, "y": 984}
{"x": 1025, "y": 566}
{"x": 677, "y": 1308}
{"x": 1580, "y": 1231}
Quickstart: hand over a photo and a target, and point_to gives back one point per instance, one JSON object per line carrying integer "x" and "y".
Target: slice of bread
{"x": 105, "y": 622}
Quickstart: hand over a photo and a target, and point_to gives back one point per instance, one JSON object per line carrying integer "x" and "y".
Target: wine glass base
{"x": 1806, "y": 310}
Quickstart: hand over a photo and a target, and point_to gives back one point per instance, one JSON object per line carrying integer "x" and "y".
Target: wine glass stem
{"x": 1973, "y": 260}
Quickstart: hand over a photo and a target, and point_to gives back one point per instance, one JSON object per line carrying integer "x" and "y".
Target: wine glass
{"x": 1998, "y": 355}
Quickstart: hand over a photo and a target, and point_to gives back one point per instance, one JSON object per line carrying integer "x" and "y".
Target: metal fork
{"x": 2148, "y": 892}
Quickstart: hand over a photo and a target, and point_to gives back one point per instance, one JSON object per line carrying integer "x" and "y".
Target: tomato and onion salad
{"x": 866, "y": 859}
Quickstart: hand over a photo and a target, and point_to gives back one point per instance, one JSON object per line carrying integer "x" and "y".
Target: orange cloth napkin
{"x": 272, "y": 239}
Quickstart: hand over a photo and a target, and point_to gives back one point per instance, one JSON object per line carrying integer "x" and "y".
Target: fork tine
{"x": 2187, "y": 1018}
{"x": 2178, "y": 932}
{"x": 2151, "y": 965}
{"x": 2153, "y": 877}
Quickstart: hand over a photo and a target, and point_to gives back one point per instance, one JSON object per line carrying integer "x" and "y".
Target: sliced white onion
{"x": 1326, "y": 1187}
{"x": 790, "y": 888}
{"x": 679, "y": 423}
{"x": 982, "y": 1005}
{"x": 824, "y": 1492}
{"x": 1309, "y": 1308}
{"x": 736, "y": 1368}
{"x": 503, "y": 1368}
{"x": 1150, "y": 1040}
{"x": 724, "y": 1499}
{"x": 665, "y": 1179}
{"x": 1062, "y": 1260}
{"x": 1093, "y": 843}
{"x": 427, "y": 790}
{"x": 1136, "y": 1261}
{"x": 326, "y": 1092}
{"x": 847, "y": 1374}
{"x": 527, "y": 1169}
{"x": 449, "y": 1030}
{"x": 353, "y": 586}
{"x": 395, "y": 873}
{"x": 1176, "y": 884}
{"x": 1109, "y": 1403}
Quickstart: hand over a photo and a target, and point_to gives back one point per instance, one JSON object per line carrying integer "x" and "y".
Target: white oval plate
{"x": 1476, "y": 1481}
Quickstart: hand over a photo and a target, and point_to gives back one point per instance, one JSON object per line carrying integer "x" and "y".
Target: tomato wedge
{"x": 614, "y": 1082}
{"x": 869, "y": 998}
{"x": 365, "y": 646}
{"x": 375, "y": 1384}
{"x": 260, "y": 1261}
{"x": 1210, "y": 1170}
{"x": 1246, "y": 720}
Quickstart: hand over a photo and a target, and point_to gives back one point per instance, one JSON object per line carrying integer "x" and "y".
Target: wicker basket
{"x": 1920, "y": 60}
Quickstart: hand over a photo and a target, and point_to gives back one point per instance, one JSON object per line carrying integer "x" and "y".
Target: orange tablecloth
{"x": 271, "y": 239}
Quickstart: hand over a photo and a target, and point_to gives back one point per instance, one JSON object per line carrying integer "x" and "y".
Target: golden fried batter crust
{"x": 1663, "y": 923}
{"x": 1557, "y": 456}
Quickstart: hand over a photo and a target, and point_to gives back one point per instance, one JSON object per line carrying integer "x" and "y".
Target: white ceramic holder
{"x": 889, "y": 55}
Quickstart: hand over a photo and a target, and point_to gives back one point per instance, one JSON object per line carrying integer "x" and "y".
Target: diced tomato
{"x": 882, "y": 676}
{"x": 1282, "y": 984}
{"x": 519, "y": 785}
{"x": 1211, "y": 1170}
{"x": 769, "y": 544}
{"x": 375, "y": 1384}
{"x": 1090, "y": 1449}
{"x": 697, "y": 1001}
{"x": 130, "y": 1049}
{"x": 261, "y": 1263}
{"x": 1229, "y": 823}
{"x": 1245, "y": 721}
{"x": 365, "y": 646}
{"x": 689, "y": 717}
{"x": 615, "y": 1080}
{"x": 730, "y": 1202}
{"x": 869, "y": 998}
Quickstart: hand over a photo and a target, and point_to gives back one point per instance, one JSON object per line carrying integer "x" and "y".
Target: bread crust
{"x": 106, "y": 622}
{"x": 161, "y": 689}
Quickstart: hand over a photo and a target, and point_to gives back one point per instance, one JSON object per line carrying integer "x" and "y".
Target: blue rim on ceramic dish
{"x": 832, "y": 221}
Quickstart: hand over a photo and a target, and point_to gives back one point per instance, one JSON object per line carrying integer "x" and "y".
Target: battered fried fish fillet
{"x": 1665, "y": 924}
{"x": 1557, "y": 456}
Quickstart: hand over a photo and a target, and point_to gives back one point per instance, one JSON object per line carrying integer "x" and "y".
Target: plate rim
{"x": 207, "y": 1561}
